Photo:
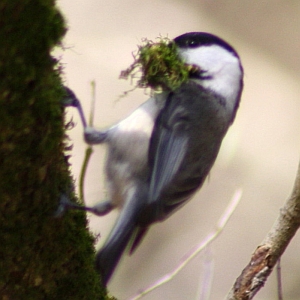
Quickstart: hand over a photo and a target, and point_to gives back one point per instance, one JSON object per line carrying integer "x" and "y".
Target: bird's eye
{"x": 192, "y": 43}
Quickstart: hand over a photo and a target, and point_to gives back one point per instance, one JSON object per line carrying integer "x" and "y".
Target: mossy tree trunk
{"x": 41, "y": 256}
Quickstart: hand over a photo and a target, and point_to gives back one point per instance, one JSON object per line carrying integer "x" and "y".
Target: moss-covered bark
{"x": 41, "y": 257}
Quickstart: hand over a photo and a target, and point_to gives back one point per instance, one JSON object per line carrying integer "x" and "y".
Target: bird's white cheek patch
{"x": 221, "y": 66}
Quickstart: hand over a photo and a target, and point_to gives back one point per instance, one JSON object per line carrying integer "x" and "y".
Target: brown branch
{"x": 272, "y": 247}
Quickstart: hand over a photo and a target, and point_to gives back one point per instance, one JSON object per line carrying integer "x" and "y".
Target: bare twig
{"x": 279, "y": 283}
{"x": 210, "y": 237}
{"x": 89, "y": 148}
{"x": 272, "y": 247}
{"x": 93, "y": 103}
{"x": 208, "y": 274}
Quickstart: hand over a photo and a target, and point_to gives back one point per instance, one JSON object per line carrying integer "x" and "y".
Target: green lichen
{"x": 41, "y": 257}
{"x": 158, "y": 66}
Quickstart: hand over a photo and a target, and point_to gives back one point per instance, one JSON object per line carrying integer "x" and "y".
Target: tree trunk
{"x": 41, "y": 256}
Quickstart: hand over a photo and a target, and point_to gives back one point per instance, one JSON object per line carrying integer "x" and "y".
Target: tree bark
{"x": 41, "y": 256}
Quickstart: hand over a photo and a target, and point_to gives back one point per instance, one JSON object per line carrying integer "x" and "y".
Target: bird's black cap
{"x": 196, "y": 39}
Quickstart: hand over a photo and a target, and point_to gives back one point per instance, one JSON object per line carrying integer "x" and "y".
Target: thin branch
{"x": 208, "y": 274}
{"x": 210, "y": 237}
{"x": 89, "y": 148}
{"x": 279, "y": 282}
{"x": 93, "y": 103}
{"x": 272, "y": 247}
{"x": 87, "y": 156}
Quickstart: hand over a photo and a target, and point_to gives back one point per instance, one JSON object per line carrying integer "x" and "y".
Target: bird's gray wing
{"x": 184, "y": 144}
{"x": 168, "y": 151}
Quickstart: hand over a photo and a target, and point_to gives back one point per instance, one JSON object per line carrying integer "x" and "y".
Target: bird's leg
{"x": 65, "y": 204}
{"x": 92, "y": 136}
{"x": 71, "y": 100}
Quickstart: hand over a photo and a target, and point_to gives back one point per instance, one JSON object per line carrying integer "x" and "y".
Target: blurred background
{"x": 260, "y": 153}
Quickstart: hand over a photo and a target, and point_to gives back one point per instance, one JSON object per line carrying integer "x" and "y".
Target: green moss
{"x": 41, "y": 257}
{"x": 158, "y": 66}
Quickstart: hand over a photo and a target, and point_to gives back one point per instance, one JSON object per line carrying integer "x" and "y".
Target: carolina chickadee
{"x": 160, "y": 155}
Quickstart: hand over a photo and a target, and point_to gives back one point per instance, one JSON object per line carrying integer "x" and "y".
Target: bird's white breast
{"x": 131, "y": 136}
{"x": 140, "y": 121}
{"x": 128, "y": 146}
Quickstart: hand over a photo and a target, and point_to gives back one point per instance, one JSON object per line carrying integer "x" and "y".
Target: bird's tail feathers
{"x": 137, "y": 238}
{"x": 120, "y": 237}
{"x": 109, "y": 256}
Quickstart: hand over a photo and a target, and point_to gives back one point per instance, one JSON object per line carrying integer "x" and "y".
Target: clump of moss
{"x": 158, "y": 66}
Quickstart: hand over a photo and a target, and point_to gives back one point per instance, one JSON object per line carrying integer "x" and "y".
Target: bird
{"x": 161, "y": 154}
